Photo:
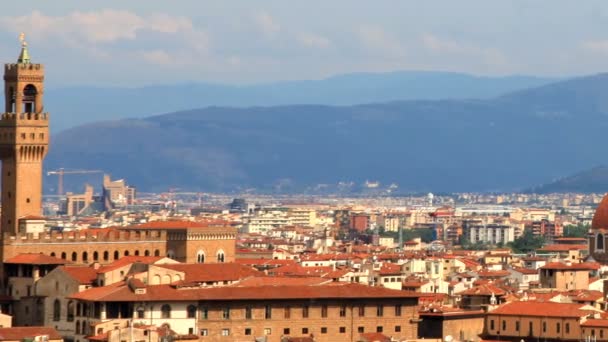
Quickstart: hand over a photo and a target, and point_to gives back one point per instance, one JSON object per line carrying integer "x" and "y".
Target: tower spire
{"x": 24, "y": 56}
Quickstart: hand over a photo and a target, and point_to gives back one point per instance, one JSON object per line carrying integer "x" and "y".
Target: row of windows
{"x": 84, "y": 257}
{"x": 558, "y": 327}
{"x": 305, "y": 331}
{"x": 305, "y": 311}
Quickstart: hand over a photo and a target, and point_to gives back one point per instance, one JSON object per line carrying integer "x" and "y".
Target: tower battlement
{"x": 84, "y": 237}
{"x": 10, "y": 119}
{"x": 12, "y": 67}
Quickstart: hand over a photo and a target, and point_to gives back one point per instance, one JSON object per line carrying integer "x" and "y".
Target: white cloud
{"x": 266, "y": 23}
{"x": 93, "y": 32}
{"x": 95, "y": 27}
{"x": 377, "y": 39}
{"x": 313, "y": 40}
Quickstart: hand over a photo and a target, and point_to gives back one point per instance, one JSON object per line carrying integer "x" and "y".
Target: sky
{"x": 144, "y": 42}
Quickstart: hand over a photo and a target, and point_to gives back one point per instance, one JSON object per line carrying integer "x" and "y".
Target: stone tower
{"x": 24, "y": 141}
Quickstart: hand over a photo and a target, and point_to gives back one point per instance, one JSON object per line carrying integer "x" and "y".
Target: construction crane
{"x": 61, "y": 172}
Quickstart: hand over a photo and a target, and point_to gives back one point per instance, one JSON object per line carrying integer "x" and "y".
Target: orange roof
{"x": 583, "y": 266}
{"x": 562, "y": 248}
{"x": 36, "y": 259}
{"x": 120, "y": 292}
{"x": 279, "y": 281}
{"x": 540, "y": 309}
{"x": 595, "y": 323}
{"x": 199, "y": 273}
{"x": 82, "y": 274}
{"x": 483, "y": 290}
{"x": 21, "y": 333}
{"x": 600, "y": 218}
{"x": 127, "y": 260}
{"x": 374, "y": 337}
{"x": 181, "y": 224}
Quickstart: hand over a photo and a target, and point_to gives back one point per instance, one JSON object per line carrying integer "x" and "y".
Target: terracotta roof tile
{"x": 35, "y": 259}
{"x": 120, "y": 292}
{"x": 199, "y": 273}
{"x": 600, "y": 218}
{"x": 21, "y": 333}
{"x": 85, "y": 275}
{"x": 541, "y": 309}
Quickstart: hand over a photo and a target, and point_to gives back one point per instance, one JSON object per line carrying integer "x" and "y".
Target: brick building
{"x": 327, "y": 312}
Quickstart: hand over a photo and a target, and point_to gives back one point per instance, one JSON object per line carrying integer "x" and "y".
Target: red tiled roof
{"x": 82, "y": 274}
{"x": 595, "y": 323}
{"x": 600, "y": 218}
{"x": 374, "y": 337}
{"x": 35, "y": 259}
{"x": 280, "y": 281}
{"x": 181, "y": 224}
{"x": 198, "y": 273}
{"x": 583, "y": 266}
{"x": 562, "y": 248}
{"x": 483, "y": 290}
{"x": 120, "y": 292}
{"x": 540, "y": 309}
{"x": 127, "y": 260}
{"x": 21, "y": 333}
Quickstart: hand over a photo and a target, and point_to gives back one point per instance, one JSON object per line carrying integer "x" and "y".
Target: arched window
{"x": 146, "y": 253}
{"x": 64, "y": 256}
{"x": 106, "y": 256}
{"x": 71, "y": 311}
{"x": 85, "y": 256}
{"x": 29, "y": 98}
{"x": 200, "y": 257}
{"x": 74, "y": 256}
{"x": 126, "y": 253}
{"x": 116, "y": 255}
{"x": 77, "y": 327}
{"x": 220, "y": 256}
{"x": 56, "y": 310}
{"x": 136, "y": 252}
{"x": 165, "y": 311}
{"x": 191, "y": 311}
{"x": 599, "y": 241}
{"x": 52, "y": 254}
{"x": 156, "y": 252}
{"x": 95, "y": 256}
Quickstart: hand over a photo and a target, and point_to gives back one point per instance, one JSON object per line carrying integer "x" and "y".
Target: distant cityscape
{"x": 113, "y": 264}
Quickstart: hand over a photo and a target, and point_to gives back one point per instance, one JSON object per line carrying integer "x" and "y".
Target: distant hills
{"x": 587, "y": 181}
{"x": 79, "y": 105}
{"x": 505, "y": 143}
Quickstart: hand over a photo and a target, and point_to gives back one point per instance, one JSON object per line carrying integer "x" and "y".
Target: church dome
{"x": 600, "y": 219}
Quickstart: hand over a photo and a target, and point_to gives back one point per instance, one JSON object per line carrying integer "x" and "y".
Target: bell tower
{"x": 24, "y": 141}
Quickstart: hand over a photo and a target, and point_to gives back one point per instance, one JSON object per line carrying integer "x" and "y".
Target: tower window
{"x": 41, "y": 135}
{"x": 27, "y": 200}
{"x": 22, "y": 135}
{"x": 33, "y": 136}
{"x": 599, "y": 245}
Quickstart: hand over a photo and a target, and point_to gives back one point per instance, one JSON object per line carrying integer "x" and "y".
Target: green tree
{"x": 579, "y": 230}
{"x": 526, "y": 243}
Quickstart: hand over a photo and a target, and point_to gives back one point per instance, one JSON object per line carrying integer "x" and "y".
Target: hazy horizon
{"x": 139, "y": 43}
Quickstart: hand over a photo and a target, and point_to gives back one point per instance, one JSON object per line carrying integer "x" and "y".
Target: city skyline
{"x": 139, "y": 43}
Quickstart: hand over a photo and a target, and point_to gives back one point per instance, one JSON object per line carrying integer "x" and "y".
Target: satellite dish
{"x": 448, "y": 338}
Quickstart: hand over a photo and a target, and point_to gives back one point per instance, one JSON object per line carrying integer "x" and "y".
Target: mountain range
{"x": 73, "y": 106}
{"x": 502, "y": 143}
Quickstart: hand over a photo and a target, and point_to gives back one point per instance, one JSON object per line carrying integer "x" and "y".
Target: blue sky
{"x": 153, "y": 42}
